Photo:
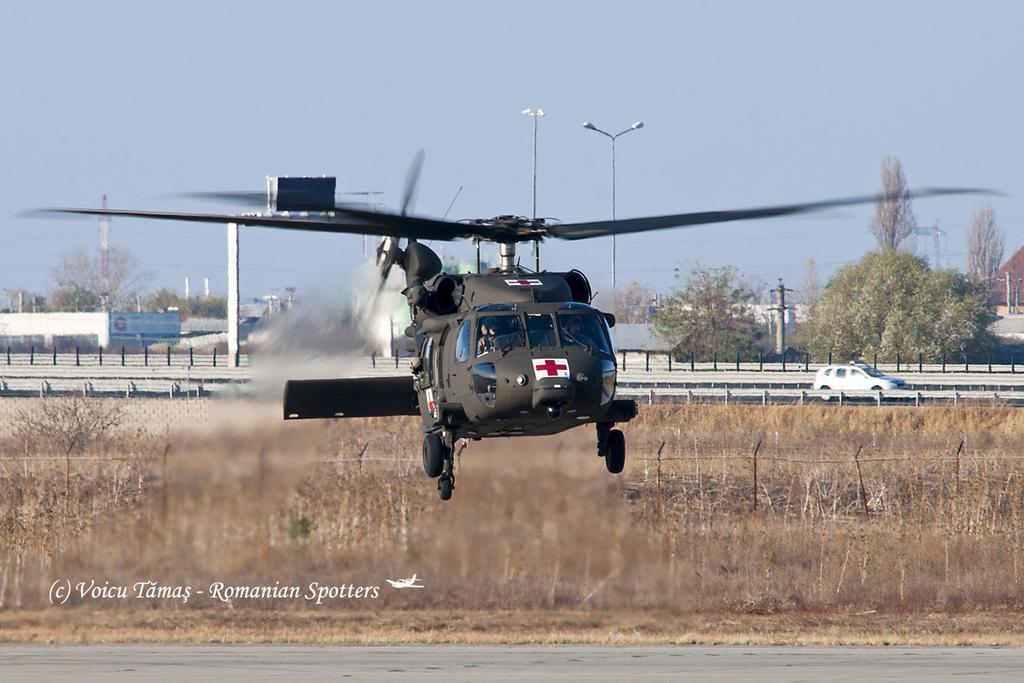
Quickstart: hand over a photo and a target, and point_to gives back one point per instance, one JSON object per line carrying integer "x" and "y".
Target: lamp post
{"x": 536, "y": 114}
{"x": 636, "y": 126}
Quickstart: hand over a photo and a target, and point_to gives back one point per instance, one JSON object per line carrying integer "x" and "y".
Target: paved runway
{"x": 39, "y": 663}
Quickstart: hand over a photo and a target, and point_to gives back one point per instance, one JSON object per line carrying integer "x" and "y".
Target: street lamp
{"x": 637, "y": 125}
{"x": 536, "y": 114}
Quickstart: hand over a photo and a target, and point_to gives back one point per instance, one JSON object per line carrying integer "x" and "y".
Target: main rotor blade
{"x": 422, "y": 228}
{"x": 255, "y": 199}
{"x": 412, "y": 181}
{"x": 579, "y": 231}
{"x": 408, "y": 227}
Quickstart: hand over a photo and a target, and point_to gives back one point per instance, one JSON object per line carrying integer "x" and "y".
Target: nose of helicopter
{"x": 552, "y": 393}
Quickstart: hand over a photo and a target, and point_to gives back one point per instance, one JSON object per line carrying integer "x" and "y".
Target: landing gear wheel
{"x": 615, "y": 451}
{"x": 445, "y": 485}
{"x": 434, "y": 453}
{"x": 446, "y": 482}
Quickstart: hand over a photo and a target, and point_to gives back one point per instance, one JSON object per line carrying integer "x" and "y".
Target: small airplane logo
{"x": 405, "y": 583}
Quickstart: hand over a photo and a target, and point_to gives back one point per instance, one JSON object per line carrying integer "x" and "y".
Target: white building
{"x": 91, "y": 329}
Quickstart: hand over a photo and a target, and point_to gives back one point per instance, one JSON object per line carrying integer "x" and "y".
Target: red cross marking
{"x": 522, "y": 282}
{"x": 551, "y": 367}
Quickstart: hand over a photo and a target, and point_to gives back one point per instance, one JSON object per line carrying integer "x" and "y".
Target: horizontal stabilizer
{"x": 357, "y": 397}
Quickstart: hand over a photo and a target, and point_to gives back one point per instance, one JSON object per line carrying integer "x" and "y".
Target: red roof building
{"x": 1014, "y": 266}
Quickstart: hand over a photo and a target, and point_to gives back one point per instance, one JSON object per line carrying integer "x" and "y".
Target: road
{"x": 39, "y": 663}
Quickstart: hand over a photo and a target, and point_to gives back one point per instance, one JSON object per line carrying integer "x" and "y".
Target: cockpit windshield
{"x": 584, "y": 329}
{"x": 541, "y": 330}
{"x": 498, "y": 333}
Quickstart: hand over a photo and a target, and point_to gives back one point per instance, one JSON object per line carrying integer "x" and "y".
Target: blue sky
{"x": 744, "y": 103}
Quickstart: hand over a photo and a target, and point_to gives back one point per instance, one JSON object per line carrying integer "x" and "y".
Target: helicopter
{"x": 507, "y": 352}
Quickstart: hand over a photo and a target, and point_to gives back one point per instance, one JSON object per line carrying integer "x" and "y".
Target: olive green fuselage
{"x": 525, "y": 360}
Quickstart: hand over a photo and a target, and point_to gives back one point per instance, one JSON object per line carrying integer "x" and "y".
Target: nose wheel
{"x": 445, "y": 486}
{"x": 611, "y": 445}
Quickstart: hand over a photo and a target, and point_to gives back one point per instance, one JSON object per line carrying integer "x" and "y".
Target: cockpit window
{"x": 584, "y": 329}
{"x": 498, "y": 333}
{"x": 540, "y": 328}
{"x": 462, "y": 342}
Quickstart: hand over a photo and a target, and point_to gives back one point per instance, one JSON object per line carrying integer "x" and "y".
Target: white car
{"x": 855, "y": 377}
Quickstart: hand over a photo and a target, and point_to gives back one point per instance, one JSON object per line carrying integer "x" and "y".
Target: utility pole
{"x": 105, "y": 258}
{"x": 535, "y": 114}
{"x": 233, "y": 303}
{"x": 1008, "y": 292}
{"x": 780, "y": 318}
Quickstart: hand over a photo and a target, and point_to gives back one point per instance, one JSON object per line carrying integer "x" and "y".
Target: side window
{"x": 428, "y": 356}
{"x": 436, "y": 358}
{"x": 828, "y": 373}
{"x": 841, "y": 372}
{"x": 462, "y": 343}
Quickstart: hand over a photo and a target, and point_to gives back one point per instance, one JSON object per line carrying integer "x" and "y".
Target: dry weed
{"x": 931, "y": 522}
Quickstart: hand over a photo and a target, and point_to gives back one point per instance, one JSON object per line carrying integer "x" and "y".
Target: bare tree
{"x": 810, "y": 284}
{"x": 67, "y": 425}
{"x": 633, "y": 303}
{"x": 894, "y": 216}
{"x": 81, "y": 283}
{"x": 984, "y": 246}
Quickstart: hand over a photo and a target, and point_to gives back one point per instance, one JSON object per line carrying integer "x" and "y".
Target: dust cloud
{"x": 328, "y": 333}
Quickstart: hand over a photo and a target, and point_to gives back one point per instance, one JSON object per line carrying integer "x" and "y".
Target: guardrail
{"x": 841, "y": 398}
{"x": 192, "y": 374}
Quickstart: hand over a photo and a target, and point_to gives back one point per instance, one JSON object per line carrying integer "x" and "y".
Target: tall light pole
{"x": 535, "y": 114}
{"x": 636, "y": 126}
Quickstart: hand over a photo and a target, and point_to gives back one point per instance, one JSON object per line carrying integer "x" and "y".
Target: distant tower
{"x": 105, "y": 257}
{"x": 206, "y": 288}
{"x": 188, "y": 289}
{"x": 935, "y": 232}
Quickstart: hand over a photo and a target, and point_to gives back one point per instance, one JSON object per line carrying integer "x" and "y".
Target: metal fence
{"x": 121, "y": 357}
{"x": 666, "y": 361}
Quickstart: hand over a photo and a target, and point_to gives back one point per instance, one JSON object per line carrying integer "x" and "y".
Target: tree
{"x": 72, "y": 297}
{"x": 632, "y": 303}
{"x": 984, "y": 246}
{"x": 165, "y": 299}
{"x": 810, "y": 284}
{"x": 711, "y": 312}
{"x": 890, "y": 302}
{"x": 84, "y": 284}
{"x": 894, "y": 216}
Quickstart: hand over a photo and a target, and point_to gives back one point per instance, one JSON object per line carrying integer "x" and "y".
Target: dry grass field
{"x": 872, "y": 525}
